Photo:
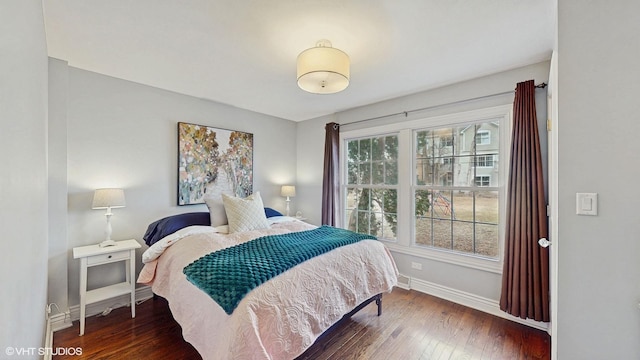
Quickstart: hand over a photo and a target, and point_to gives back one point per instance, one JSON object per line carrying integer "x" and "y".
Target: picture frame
{"x": 213, "y": 161}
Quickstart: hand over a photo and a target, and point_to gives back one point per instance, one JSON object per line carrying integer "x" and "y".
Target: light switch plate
{"x": 587, "y": 204}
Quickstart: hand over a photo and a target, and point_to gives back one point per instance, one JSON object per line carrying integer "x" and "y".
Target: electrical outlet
{"x": 415, "y": 265}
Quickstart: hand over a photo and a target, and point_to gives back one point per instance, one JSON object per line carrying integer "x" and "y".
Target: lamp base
{"x": 288, "y": 205}
{"x": 107, "y": 243}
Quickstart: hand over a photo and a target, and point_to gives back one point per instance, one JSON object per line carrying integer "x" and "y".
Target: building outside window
{"x": 460, "y": 216}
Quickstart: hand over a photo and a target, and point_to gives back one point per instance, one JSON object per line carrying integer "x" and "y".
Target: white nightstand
{"x": 93, "y": 255}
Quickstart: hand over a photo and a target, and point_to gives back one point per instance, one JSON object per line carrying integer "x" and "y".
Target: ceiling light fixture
{"x": 323, "y": 69}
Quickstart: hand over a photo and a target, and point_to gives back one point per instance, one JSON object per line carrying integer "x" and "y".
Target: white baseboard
{"x": 470, "y": 300}
{"x": 60, "y": 321}
{"x": 142, "y": 293}
{"x": 404, "y": 282}
{"x": 63, "y": 321}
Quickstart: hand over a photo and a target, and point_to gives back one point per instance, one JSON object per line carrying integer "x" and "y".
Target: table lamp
{"x": 289, "y": 191}
{"x": 108, "y": 199}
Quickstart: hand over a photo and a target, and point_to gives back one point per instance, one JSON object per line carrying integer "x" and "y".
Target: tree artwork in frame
{"x": 213, "y": 161}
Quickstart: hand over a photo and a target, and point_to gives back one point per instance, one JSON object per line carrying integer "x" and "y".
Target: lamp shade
{"x": 106, "y": 198}
{"x": 323, "y": 69}
{"x": 288, "y": 191}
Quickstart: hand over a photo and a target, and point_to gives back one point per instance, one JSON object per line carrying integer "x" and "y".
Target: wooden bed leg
{"x": 379, "y": 303}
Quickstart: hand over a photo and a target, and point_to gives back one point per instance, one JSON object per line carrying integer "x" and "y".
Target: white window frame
{"x": 446, "y": 141}
{"x": 405, "y": 236}
{"x": 482, "y": 176}
{"x": 482, "y": 133}
{"x": 485, "y": 160}
{"x": 344, "y": 183}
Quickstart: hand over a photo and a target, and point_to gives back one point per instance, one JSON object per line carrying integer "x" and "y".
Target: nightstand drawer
{"x": 107, "y": 258}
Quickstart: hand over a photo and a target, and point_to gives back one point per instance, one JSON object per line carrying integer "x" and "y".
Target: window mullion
{"x": 405, "y": 174}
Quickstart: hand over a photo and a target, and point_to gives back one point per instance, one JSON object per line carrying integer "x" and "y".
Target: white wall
{"x": 123, "y": 134}
{"x": 599, "y": 123}
{"x": 23, "y": 176}
{"x": 311, "y": 150}
{"x": 57, "y": 183}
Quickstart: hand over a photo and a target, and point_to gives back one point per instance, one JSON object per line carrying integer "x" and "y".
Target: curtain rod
{"x": 406, "y": 113}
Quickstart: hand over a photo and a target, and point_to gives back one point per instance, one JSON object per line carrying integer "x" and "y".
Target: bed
{"x": 280, "y": 318}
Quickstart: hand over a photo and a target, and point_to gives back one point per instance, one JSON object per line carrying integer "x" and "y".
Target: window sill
{"x": 470, "y": 261}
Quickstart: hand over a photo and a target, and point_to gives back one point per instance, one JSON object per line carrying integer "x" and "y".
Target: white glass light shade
{"x": 323, "y": 69}
{"x": 108, "y": 198}
{"x": 288, "y": 191}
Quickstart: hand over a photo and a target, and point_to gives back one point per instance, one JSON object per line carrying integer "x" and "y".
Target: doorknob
{"x": 544, "y": 242}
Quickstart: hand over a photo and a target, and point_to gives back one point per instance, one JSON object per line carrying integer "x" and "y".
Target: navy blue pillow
{"x": 271, "y": 213}
{"x": 170, "y": 224}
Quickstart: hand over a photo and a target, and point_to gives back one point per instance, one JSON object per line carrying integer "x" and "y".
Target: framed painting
{"x": 213, "y": 161}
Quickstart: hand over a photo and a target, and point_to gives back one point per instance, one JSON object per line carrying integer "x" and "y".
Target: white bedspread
{"x": 281, "y": 318}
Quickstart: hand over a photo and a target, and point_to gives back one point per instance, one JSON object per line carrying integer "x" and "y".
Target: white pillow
{"x": 222, "y": 229}
{"x": 245, "y": 214}
{"x": 216, "y": 210}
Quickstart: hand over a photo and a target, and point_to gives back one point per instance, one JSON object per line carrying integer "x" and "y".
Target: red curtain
{"x": 330, "y": 183}
{"x": 525, "y": 277}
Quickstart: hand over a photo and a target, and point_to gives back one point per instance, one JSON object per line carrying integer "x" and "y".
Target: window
{"x": 455, "y": 214}
{"x": 372, "y": 182}
{"x": 447, "y": 179}
{"x": 484, "y": 161}
{"x": 428, "y": 188}
{"x": 483, "y": 137}
{"x": 446, "y": 141}
{"x": 483, "y": 180}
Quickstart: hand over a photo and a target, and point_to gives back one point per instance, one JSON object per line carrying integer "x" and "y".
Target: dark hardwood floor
{"x": 412, "y": 326}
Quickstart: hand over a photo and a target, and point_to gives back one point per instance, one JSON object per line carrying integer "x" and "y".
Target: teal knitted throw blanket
{"x": 229, "y": 274}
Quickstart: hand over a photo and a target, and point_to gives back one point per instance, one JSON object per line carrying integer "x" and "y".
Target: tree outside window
{"x": 372, "y": 186}
{"x": 372, "y": 179}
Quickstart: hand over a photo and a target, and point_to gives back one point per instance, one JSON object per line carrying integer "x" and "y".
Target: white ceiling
{"x": 243, "y": 52}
